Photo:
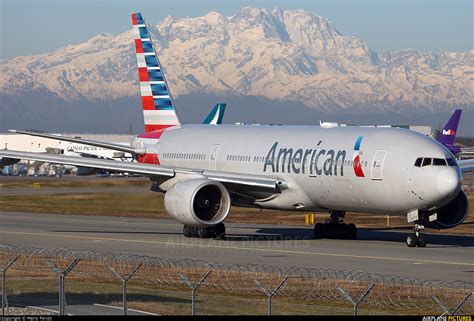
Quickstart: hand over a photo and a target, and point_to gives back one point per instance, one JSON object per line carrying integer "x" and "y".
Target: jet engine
{"x": 452, "y": 214}
{"x": 198, "y": 202}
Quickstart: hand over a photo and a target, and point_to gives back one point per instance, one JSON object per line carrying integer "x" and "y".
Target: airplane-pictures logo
{"x": 313, "y": 161}
{"x": 356, "y": 158}
{"x": 449, "y": 132}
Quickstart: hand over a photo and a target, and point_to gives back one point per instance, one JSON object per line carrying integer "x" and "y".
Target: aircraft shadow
{"x": 298, "y": 233}
{"x": 285, "y": 233}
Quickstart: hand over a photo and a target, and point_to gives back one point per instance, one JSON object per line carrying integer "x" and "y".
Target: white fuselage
{"x": 320, "y": 165}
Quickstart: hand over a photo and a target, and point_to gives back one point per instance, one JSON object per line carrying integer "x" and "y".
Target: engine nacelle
{"x": 198, "y": 202}
{"x": 452, "y": 214}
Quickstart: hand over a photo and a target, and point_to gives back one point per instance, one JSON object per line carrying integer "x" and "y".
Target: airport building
{"x": 34, "y": 144}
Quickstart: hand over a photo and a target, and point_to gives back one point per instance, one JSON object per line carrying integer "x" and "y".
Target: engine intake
{"x": 452, "y": 214}
{"x": 198, "y": 202}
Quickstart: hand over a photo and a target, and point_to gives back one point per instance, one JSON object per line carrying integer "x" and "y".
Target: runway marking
{"x": 241, "y": 248}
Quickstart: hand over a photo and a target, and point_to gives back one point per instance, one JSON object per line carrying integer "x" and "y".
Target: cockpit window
{"x": 426, "y": 162}
{"x": 439, "y": 162}
{"x": 451, "y": 162}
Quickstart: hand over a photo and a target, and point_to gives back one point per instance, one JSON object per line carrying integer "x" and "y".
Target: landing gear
{"x": 418, "y": 238}
{"x": 335, "y": 228}
{"x": 217, "y": 232}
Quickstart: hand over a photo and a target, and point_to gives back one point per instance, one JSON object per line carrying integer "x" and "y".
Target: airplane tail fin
{"x": 158, "y": 107}
{"x": 448, "y": 133}
{"x": 215, "y": 116}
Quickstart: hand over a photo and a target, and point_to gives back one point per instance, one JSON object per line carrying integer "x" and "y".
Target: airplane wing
{"x": 149, "y": 170}
{"x": 467, "y": 149}
{"x": 117, "y": 147}
{"x": 466, "y": 165}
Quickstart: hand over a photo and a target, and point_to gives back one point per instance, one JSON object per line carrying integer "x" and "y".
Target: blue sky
{"x": 40, "y": 26}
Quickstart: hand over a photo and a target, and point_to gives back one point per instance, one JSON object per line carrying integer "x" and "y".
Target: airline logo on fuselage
{"x": 356, "y": 158}
{"x": 313, "y": 161}
{"x": 449, "y": 132}
{"x": 290, "y": 160}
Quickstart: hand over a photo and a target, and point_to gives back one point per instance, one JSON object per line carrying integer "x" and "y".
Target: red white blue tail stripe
{"x": 158, "y": 107}
{"x": 356, "y": 158}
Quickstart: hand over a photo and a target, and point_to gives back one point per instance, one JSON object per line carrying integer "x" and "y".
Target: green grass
{"x": 176, "y": 300}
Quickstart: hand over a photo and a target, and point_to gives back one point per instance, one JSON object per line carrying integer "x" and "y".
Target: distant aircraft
{"x": 204, "y": 169}
{"x": 448, "y": 134}
{"x": 216, "y": 115}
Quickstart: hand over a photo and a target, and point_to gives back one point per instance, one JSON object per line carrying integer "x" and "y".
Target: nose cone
{"x": 449, "y": 181}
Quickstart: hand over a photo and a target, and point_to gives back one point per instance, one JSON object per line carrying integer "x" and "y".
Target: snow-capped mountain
{"x": 287, "y": 55}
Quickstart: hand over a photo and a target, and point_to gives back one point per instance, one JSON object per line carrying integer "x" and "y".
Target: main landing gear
{"x": 418, "y": 238}
{"x": 335, "y": 228}
{"x": 217, "y": 232}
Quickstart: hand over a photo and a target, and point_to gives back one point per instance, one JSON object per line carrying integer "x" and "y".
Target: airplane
{"x": 204, "y": 170}
{"x": 448, "y": 134}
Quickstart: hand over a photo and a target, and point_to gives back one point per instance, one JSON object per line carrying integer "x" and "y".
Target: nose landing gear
{"x": 335, "y": 228}
{"x": 418, "y": 238}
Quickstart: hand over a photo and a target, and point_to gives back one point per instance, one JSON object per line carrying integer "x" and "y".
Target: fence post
{"x": 4, "y": 283}
{"x": 461, "y": 303}
{"x": 270, "y": 293}
{"x": 351, "y": 300}
{"x": 194, "y": 288}
{"x": 440, "y": 303}
{"x": 124, "y": 284}
{"x": 62, "y": 276}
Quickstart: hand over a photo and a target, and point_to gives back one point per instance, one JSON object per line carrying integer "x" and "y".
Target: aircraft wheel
{"x": 318, "y": 230}
{"x": 422, "y": 241}
{"x": 219, "y": 231}
{"x": 203, "y": 232}
{"x": 412, "y": 240}
{"x": 194, "y": 231}
{"x": 187, "y": 231}
{"x": 351, "y": 231}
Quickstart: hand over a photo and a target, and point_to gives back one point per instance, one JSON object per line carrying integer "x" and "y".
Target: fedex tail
{"x": 158, "y": 108}
{"x": 447, "y": 135}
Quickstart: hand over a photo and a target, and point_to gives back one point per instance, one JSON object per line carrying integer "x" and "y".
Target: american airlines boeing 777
{"x": 204, "y": 169}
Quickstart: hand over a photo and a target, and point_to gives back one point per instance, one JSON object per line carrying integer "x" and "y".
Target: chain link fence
{"x": 199, "y": 281}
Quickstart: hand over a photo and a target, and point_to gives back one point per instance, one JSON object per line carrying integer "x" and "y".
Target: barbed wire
{"x": 303, "y": 283}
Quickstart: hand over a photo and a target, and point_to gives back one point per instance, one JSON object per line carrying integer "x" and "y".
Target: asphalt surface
{"x": 50, "y": 305}
{"x": 447, "y": 257}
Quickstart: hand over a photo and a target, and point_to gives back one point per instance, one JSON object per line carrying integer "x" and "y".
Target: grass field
{"x": 176, "y": 300}
{"x": 144, "y": 203}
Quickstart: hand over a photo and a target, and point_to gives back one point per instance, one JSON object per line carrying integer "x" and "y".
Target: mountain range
{"x": 282, "y": 57}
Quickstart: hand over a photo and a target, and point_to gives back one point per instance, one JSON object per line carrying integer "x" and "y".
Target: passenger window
{"x": 439, "y": 162}
{"x": 426, "y": 162}
{"x": 418, "y": 162}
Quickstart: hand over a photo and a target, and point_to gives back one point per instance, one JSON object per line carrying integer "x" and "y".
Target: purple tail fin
{"x": 447, "y": 135}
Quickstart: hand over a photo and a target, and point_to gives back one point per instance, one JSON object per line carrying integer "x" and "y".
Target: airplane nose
{"x": 449, "y": 181}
